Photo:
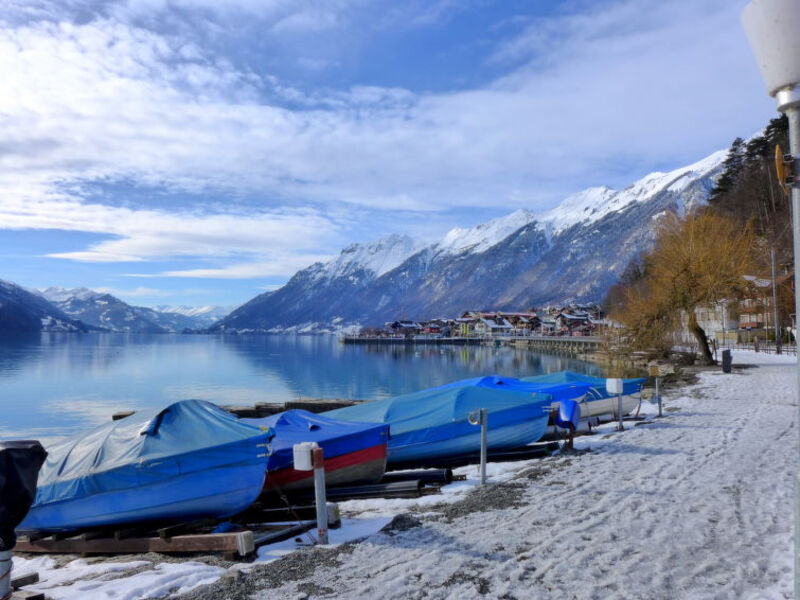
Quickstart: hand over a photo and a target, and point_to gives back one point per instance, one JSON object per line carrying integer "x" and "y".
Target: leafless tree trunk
{"x": 702, "y": 340}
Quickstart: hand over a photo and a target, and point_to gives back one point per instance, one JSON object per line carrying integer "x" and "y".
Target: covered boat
{"x": 597, "y": 401}
{"x": 354, "y": 452}
{"x": 434, "y": 423}
{"x": 190, "y": 460}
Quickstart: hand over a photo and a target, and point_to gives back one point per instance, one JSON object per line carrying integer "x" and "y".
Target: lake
{"x": 52, "y": 385}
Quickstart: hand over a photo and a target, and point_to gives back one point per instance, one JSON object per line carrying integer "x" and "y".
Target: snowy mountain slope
{"x": 482, "y": 237}
{"x": 572, "y": 252}
{"x": 209, "y": 313}
{"x": 371, "y": 260}
{"x": 24, "y": 311}
{"x": 109, "y": 312}
{"x": 591, "y": 205}
{"x": 101, "y": 310}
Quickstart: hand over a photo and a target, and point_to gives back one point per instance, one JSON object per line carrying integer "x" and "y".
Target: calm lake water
{"x": 53, "y": 385}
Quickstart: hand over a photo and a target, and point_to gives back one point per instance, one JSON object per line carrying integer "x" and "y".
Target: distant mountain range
{"x": 573, "y": 252}
{"x": 81, "y": 309}
{"x": 109, "y": 312}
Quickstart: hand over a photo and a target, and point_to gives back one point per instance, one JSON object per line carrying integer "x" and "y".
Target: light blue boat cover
{"x": 335, "y": 437}
{"x": 437, "y": 414}
{"x": 598, "y": 384}
{"x": 150, "y": 449}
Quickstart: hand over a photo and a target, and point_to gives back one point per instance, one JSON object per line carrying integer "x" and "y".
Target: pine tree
{"x": 732, "y": 169}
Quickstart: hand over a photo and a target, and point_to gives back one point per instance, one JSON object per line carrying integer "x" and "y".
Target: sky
{"x": 201, "y": 152}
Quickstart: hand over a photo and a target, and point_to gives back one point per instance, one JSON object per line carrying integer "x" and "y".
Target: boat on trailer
{"x": 434, "y": 423}
{"x": 354, "y": 453}
{"x": 191, "y": 460}
{"x": 597, "y": 402}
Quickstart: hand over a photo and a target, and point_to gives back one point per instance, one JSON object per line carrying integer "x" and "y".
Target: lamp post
{"x": 773, "y": 29}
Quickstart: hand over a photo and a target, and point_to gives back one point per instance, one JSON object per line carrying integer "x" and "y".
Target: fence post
{"x": 319, "y": 495}
{"x": 484, "y": 431}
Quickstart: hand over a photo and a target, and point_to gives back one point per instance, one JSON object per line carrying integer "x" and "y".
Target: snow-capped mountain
{"x": 23, "y": 311}
{"x": 574, "y": 251}
{"x": 201, "y": 316}
{"x": 101, "y": 310}
{"x": 109, "y": 312}
{"x": 482, "y": 237}
{"x": 369, "y": 260}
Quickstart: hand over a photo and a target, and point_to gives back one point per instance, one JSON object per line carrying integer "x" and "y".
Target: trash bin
{"x": 727, "y": 361}
{"x": 20, "y": 462}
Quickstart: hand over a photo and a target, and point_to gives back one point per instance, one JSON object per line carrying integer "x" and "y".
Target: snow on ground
{"x": 133, "y": 580}
{"x": 695, "y": 506}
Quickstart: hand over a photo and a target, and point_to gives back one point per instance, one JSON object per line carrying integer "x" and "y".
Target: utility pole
{"x": 775, "y": 302}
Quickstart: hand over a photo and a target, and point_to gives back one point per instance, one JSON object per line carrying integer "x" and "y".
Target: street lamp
{"x": 773, "y": 29}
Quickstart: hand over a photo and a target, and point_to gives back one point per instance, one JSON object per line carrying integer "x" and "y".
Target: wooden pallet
{"x": 234, "y": 545}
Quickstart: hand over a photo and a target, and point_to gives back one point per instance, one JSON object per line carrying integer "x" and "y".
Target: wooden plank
{"x": 265, "y": 409}
{"x": 241, "y": 542}
{"x": 241, "y": 411}
{"x": 23, "y": 580}
{"x": 318, "y": 406}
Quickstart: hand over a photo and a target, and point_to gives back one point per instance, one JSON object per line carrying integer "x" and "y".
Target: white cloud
{"x": 591, "y": 98}
{"x": 134, "y": 293}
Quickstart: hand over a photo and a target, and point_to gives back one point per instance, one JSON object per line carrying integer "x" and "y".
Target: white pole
{"x": 319, "y": 495}
{"x": 620, "y": 426}
{"x": 793, "y": 114}
{"x": 484, "y": 432}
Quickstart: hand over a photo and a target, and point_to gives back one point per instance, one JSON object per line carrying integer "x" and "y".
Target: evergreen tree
{"x": 732, "y": 168}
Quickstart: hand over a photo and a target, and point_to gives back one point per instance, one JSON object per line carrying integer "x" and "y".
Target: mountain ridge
{"x": 572, "y": 252}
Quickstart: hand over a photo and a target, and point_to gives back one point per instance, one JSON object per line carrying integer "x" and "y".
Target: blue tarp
{"x": 440, "y": 413}
{"x": 191, "y": 456}
{"x": 335, "y": 437}
{"x": 598, "y": 384}
{"x": 556, "y": 390}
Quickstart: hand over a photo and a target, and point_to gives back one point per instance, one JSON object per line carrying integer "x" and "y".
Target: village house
{"x": 404, "y": 328}
{"x": 574, "y": 324}
{"x": 522, "y": 323}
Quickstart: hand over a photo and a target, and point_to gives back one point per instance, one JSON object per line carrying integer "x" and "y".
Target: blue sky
{"x": 201, "y": 152}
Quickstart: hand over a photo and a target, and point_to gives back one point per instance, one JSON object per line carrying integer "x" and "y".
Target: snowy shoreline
{"x": 696, "y": 505}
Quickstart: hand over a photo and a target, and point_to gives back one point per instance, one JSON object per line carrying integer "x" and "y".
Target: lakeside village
{"x": 746, "y": 322}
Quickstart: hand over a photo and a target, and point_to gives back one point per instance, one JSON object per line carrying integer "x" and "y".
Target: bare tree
{"x": 696, "y": 262}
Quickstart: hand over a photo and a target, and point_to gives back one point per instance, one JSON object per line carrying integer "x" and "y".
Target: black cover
{"x": 20, "y": 462}
{"x": 727, "y": 361}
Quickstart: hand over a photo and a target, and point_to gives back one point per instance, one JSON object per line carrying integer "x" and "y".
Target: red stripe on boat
{"x": 283, "y": 477}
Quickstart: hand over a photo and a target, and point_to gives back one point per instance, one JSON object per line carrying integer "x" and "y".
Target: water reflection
{"x": 56, "y": 384}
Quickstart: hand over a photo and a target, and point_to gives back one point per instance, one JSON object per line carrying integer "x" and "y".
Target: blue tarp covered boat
{"x": 189, "y": 460}
{"x": 353, "y": 452}
{"x": 597, "y": 401}
{"x": 433, "y": 423}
